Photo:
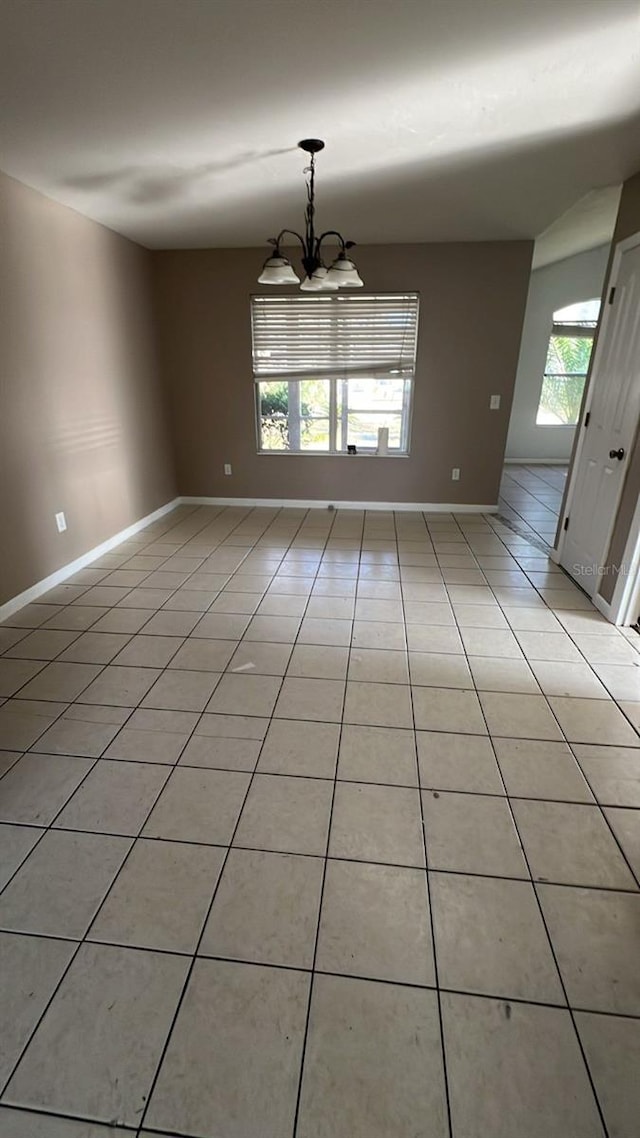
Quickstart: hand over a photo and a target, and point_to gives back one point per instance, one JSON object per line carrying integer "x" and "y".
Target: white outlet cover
{"x": 494, "y": 403}
{"x": 455, "y": 474}
{"x": 61, "y": 522}
{"x": 227, "y": 468}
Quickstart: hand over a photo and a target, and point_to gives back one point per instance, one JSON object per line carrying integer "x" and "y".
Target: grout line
{"x": 552, "y": 949}
{"x": 303, "y": 1052}
{"x": 190, "y": 970}
{"x": 434, "y": 949}
{"x": 635, "y": 876}
{"x": 320, "y": 542}
{"x": 542, "y": 916}
{"x": 31, "y": 1035}
{"x": 309, "y": 971}
{"x": 444, "y": 870}
{"x": 152, "y": 613}
{"x": 41, "y": 1113}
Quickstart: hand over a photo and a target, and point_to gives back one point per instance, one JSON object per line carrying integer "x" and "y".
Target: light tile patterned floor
{"x": 322, "y": 824}
{"x": 531, "y": 496}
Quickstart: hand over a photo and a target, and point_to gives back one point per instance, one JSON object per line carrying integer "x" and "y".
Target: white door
{"x": 614, "y": 409}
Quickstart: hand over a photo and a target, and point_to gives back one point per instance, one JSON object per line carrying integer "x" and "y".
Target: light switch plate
{"x": 494, "y": 403}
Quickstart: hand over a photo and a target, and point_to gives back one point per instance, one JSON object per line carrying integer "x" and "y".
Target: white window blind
{"x": 340, "y": 336}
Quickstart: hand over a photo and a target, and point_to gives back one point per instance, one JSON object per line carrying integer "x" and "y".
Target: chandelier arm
{"x": 292, "y": 233}
{"x": 344, "y": 245}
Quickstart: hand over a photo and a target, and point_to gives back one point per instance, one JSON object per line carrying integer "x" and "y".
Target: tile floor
{"x": 531, "y": 496}
{"x": 322, "y": 824}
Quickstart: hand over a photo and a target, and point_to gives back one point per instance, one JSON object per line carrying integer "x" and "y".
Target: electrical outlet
{"x": 494, "y": 403}
{"x": 227, "y": 468}
{"x": 61, "y": 522}
{"x": 455, "y": 474}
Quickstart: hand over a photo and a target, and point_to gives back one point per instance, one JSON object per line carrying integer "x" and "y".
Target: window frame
{"x": 570, "y": 329}
{"x": 334, "y": 417}
{"x": 338, "y": 410}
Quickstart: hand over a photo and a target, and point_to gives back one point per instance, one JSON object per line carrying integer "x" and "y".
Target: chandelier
{"x": 277, "y": 269}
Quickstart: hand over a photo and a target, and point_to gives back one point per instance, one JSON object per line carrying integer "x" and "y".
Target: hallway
{"x": 531, "y": 496}
{"x": 320, "y": 824}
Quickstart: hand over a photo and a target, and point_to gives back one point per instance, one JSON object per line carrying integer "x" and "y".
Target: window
{"x": 568, "y": 356}
{"x": 330, "y": 371}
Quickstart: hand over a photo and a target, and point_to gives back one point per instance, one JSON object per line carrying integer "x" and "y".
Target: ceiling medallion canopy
{"x": 277, "y": 269}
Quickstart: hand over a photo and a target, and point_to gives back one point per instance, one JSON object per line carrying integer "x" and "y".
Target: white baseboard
{"x": 603, "y": 606}
{"x": 537, "y": 461}
{"x": 61, "y": 575}
{"x": 323, "y": 504}
{"x": 72, "y": 567}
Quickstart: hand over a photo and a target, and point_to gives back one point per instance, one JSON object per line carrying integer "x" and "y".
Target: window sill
{"x": 325, "y": 454}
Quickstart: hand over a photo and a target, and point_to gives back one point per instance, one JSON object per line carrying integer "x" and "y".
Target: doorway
{"x": 608, "y": 429}
{"x": 531, "y": 497}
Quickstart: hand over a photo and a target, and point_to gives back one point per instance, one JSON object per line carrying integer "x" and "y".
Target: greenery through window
{"x": 567, "y": 364}
{"x": 331, "y": 371}
{"x": 331, "y": 414}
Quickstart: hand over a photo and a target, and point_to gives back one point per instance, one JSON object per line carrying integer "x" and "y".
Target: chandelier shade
{"x": 318, "y": 281}
{"x": 277, "y": 269}
{"x": 343, "y": 273}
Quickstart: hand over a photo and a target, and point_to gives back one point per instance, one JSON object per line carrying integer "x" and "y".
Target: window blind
{"x": 306, "y": 336}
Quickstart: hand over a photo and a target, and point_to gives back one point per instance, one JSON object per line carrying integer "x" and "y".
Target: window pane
{"x": 563, "y": 384}
{"x": 314, "y": 434}
{"x": 365, "y": 404}
{"x": 362, "y": 429}
{"x": 294, "y": 415}
{"x": 301, "y": 415}
{"x": 560, "y": 400}
{"x": 314, "y": 396}
{"x": 374, "y": 394}
{"x": 568, "y": 355}
{"x": 274, "y": 416}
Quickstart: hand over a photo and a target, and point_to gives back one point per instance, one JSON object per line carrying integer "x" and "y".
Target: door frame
{"x": 624, "y": 607}
{"x": 613, "y": 610}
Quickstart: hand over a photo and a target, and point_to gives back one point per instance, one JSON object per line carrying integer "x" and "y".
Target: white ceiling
{"x": 175, "y": 121}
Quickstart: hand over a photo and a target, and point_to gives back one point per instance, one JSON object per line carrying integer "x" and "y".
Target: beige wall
{"x": 82, "y": 415}
{"x": 472, "y": 306}
{"x": 627, "y": 224}
{"x": 81, "y": 421}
